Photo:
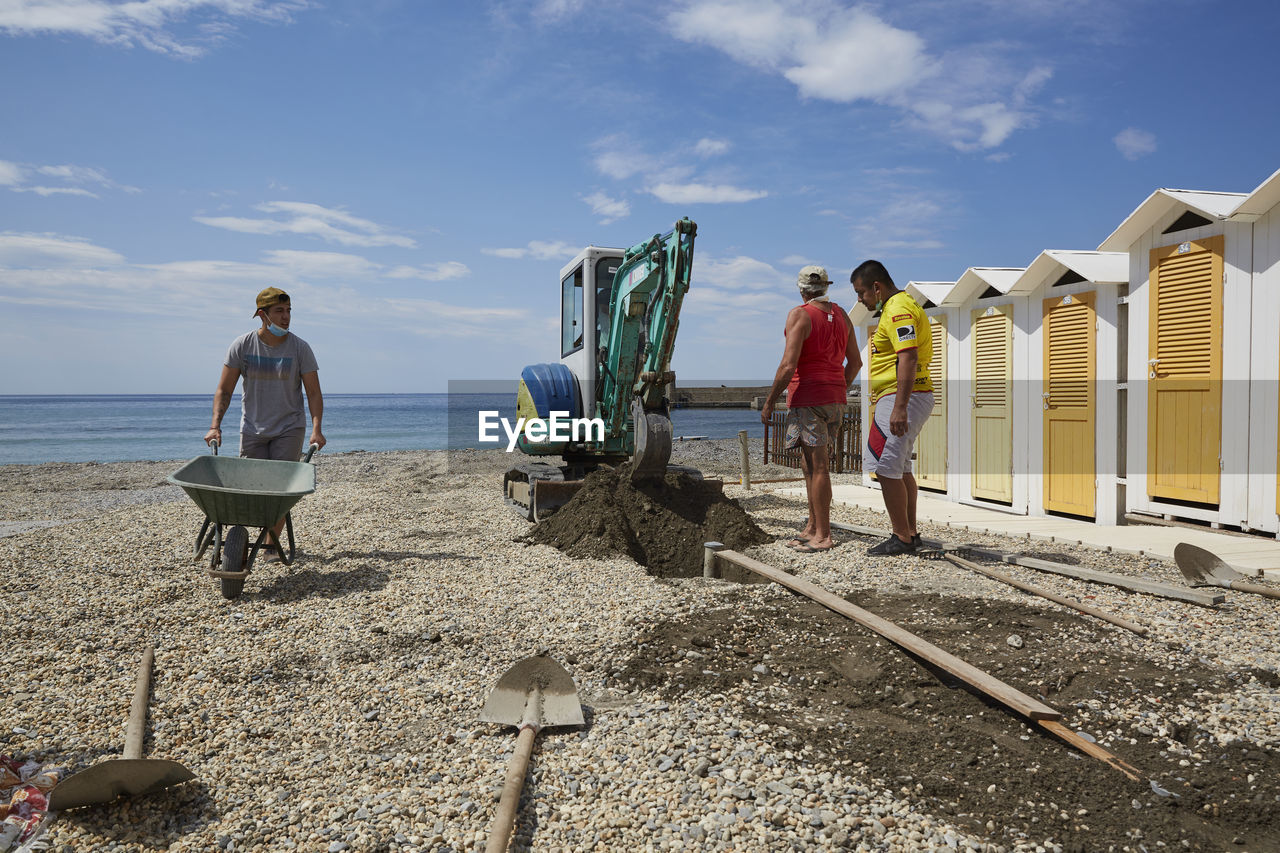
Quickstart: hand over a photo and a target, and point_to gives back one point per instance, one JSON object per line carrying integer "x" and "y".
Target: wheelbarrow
{"x": 237, "y": 494}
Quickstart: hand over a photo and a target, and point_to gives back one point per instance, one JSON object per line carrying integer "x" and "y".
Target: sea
{"x": 115, "y": 428}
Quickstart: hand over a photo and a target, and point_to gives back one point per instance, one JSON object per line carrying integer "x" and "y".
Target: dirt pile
{"x": 662, "y": 525}
{"x": 823, "y": 682}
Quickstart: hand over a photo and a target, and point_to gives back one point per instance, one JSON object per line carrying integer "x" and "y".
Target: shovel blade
{"x": 1199, "y": 566}
{"x": 128, "y": 777}
{"x": 535, "y": 679}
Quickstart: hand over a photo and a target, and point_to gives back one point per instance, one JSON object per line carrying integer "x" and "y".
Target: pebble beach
{"x": 334, "y": 705}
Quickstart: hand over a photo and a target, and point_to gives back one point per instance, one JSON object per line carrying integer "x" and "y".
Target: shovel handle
{"x": 505, "y": 818}
{"x": 133, "y": 735}
{"x": 1254, "y": 588}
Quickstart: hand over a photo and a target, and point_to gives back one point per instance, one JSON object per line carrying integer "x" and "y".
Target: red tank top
{"x": 819, "y": 377}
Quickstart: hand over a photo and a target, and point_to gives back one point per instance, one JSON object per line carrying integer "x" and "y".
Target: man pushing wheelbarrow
{"x": 276, "y": 366}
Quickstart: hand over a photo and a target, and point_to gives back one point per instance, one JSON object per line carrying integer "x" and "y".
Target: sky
{"x": 416, "y": 173}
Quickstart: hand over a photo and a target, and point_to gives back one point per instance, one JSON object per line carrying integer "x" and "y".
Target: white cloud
{"x": 710, "y": 147}
{"x": 741, "y": 272}
{"x": 554, "y": 10}
{"x": 27, "y": 251}
{"x": 144, "y": 23}
{"x": 828, "y": 52}
{"x": 1134, "y": 143}
{"x": 609, "y": 209}
{"x": 538, "y": 250}
{"x": 16, "y": 176}
{"x": 797, "y": 261}
{"x": 311, "y": 220}
{"x": 620, "y": 158}
{"x": 57, "y": 270}
{"x": 668, "y": 176}
{"x": 323, "y": 264}
{"x": 443, "y": 271}
{"x": 10, "y": 173}
{"x": 48, "y": 191}
{"x": 907, "y": 221}
{"x": 75, "y": 174}
{"x": 695, "y": 193}
{"x": 971, "y": 98}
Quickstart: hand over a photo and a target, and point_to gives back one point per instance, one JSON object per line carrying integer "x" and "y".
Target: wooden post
{"x": 709, "y": 559}
{"x": 746, "y": 459}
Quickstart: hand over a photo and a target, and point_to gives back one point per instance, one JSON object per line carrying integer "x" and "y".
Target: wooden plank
{"x": 1089, "y": 747}
{"x": 1051, "y": 596}
{"x": 1164, "y": 590}
{"x": 993, "y": 687}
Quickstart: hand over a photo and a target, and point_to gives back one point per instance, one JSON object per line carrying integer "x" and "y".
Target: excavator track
{"x": 537, "y": 490}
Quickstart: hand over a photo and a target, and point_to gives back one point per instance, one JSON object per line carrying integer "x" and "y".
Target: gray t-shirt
{"x": 272, "y": 400}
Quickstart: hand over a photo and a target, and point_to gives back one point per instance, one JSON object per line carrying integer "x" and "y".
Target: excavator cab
{"x": 586, "y": 285}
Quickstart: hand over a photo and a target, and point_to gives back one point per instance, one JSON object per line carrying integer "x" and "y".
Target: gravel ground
{"x": 333, "y": 706}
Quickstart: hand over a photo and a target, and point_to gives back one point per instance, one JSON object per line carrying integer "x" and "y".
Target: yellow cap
{"x": 270, "y": 296}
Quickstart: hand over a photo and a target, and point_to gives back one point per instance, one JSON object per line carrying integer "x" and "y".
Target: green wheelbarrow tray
{"x": 237, "y": 494}
{"x": 248, "y": 492}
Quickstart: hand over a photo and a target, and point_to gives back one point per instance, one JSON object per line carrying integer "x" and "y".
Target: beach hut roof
{"x": 1053, "y": 264}
{"x": 929, "y": 291}
{"x": 1258, "y": 202}
{"x": 977, "y": 280}
{"x": 920, "y": 291}
{"x": 1163, "y": 202}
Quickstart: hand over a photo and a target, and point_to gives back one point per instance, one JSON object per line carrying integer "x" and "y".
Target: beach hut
{"x": 930, "y": 465}
{"x": 1261, "y": 211}
{"x": 1073, "y": 369}
{"x": 1189, "y": 353}
{"x": 991, "y": 338}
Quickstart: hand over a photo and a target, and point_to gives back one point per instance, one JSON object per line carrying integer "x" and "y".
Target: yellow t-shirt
{"x": 903, "y": 325}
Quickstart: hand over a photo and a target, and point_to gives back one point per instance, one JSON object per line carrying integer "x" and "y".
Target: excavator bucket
{"x": 653, "y": 443}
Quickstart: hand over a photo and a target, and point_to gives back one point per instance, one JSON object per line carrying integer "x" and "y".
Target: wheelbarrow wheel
{"x": 234, "y": 554}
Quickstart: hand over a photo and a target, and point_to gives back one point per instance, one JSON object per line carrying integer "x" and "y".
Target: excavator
{"x": 619, "y": 314}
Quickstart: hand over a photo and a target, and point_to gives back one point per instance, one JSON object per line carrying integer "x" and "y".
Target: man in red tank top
{"x": 819, "y": 362}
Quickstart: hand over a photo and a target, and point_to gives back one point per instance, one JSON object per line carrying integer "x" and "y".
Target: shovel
{"x": 533, "y": 694}
{"x": 1204, "y": 568}
{"x": 132, "y": 775}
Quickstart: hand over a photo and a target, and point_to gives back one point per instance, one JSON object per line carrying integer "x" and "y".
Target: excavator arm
{"x": 635, "y": 362}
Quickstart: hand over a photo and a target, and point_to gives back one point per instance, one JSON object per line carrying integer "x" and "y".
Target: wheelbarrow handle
{"x": 310, "y": 452}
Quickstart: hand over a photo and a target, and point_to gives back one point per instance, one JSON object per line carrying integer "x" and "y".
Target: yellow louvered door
{"x": 1070, "y": 478}
{"x": 931, "y": 445}
{"x": 993, "y": 403}
{"x": 1184, "y": 372}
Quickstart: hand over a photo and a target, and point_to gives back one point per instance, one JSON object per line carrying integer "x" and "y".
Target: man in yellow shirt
{"x": 902, "y": 393}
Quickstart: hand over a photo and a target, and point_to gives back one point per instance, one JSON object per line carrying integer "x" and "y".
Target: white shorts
{"x": 889, "y": 455}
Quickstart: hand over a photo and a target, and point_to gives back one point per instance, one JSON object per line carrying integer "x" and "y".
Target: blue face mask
{"x": 276, "y": 330}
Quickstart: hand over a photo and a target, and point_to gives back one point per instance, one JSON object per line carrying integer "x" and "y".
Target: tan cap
{"x": 812, "y": 277}
{"x": 270, "y": 296}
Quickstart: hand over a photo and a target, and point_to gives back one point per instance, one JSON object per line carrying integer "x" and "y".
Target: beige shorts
{"x": 284, "y": 448}
{"x": 812, "y": 426}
